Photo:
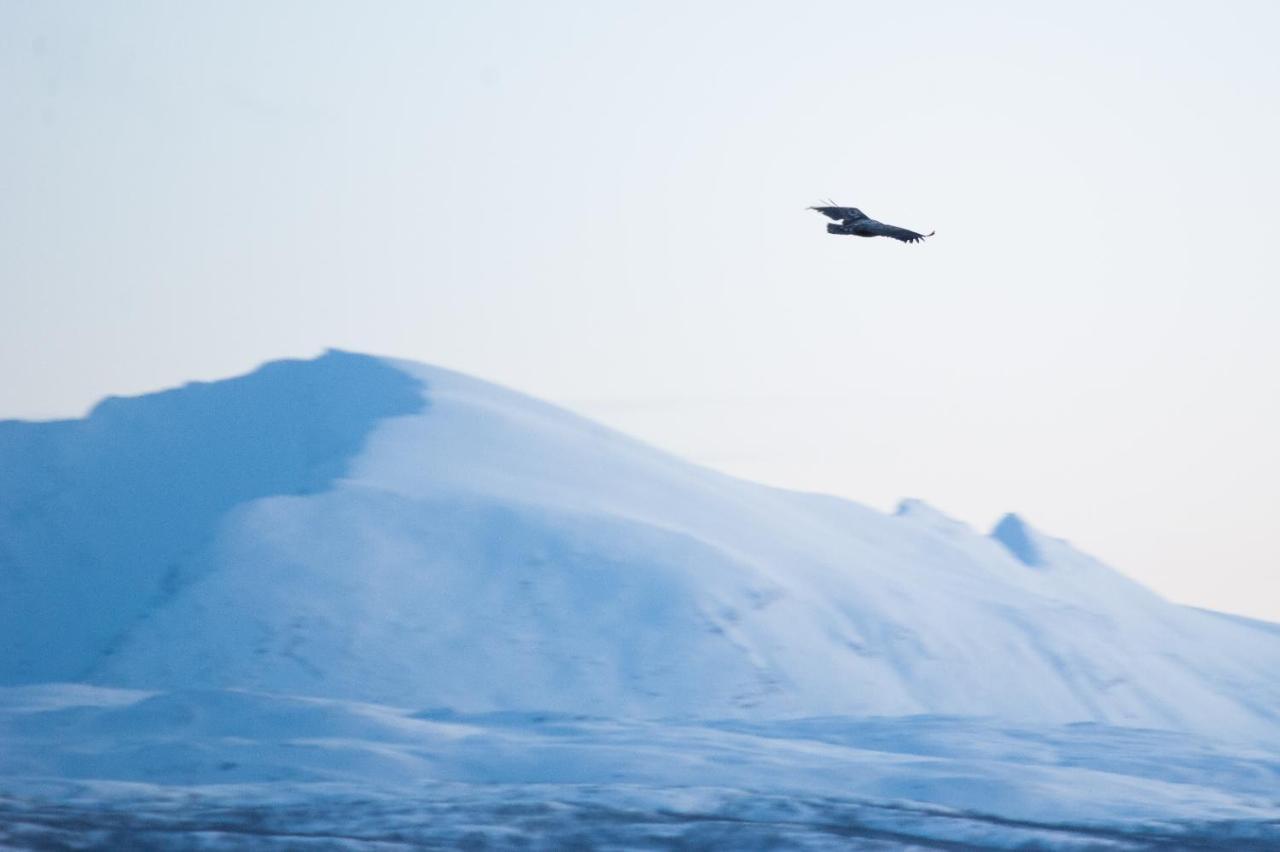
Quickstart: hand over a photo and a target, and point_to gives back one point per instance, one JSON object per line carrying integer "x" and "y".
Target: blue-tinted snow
{"x": 315, "y": 528}
{"x": 230, "y": 769}
{"x": 263, "y": 578}
{"x": 104, "y": 518}
{"x": 1013, "y": 533}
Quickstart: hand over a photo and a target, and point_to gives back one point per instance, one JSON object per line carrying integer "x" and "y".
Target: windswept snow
{"x": 240, "y": 768}
{"x": 103, "y": 519}
{"x": 440, "y": 611}
{"x": 373, "y": 530}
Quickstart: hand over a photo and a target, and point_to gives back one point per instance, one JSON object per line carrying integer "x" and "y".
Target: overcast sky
{"x": 603, "y": 204}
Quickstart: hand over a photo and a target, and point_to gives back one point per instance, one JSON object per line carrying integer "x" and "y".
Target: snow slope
{"x": 102, "y": 518}
{"x": 232, "y": 770}
{"x": 369, "y": 530}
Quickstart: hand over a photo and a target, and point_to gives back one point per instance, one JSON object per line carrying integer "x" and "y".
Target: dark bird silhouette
{"x": 854, "y": 221}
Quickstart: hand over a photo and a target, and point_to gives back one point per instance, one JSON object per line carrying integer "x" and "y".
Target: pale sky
{"x": 602, "y": 204}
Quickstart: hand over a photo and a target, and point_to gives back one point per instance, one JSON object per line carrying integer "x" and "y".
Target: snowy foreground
{"x": 360, "y": 603}
{"x": 86, "y": 767}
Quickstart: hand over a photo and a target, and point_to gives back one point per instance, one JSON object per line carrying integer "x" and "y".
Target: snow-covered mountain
{"x": 364, "y": 529}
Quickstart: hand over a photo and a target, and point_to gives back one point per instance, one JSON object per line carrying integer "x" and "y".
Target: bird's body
{"x": 853, "y": 221}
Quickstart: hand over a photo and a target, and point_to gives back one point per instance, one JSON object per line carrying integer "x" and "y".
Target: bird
{"x": 854, "y": 221}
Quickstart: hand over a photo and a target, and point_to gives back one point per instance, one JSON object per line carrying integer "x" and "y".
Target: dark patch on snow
{"x": 508, "y": 817}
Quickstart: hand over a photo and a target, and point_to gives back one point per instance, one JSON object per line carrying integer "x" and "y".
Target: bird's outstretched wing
{"x": 880, "y": 229}
{"x": 838, "y": 213}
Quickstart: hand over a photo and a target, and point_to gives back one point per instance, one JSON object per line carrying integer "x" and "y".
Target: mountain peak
{"x": 118, "y": 503}
{"x": 1019, "y": 539}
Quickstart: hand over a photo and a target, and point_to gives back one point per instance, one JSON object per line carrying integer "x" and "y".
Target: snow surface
{"x": 310, "y": 530}
{"x": 239, "y": 768}
{"x": 103, "y": 518}
{"x": 600, "y": 625}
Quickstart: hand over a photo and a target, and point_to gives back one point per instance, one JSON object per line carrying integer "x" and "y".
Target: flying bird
{"x": 854, "y": 221}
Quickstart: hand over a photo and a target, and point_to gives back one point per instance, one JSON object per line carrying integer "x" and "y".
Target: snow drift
{"x": 363, "y": 529}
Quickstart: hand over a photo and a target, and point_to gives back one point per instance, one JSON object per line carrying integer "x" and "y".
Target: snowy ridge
{"x": 353, "y": 603}
{"x": 102, "y": 519}
{"x": 454, "y": 544}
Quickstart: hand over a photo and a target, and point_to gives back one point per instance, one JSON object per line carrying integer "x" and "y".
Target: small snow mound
{"x": 922, "y": 513}
{"x": 1019, "y": 539}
